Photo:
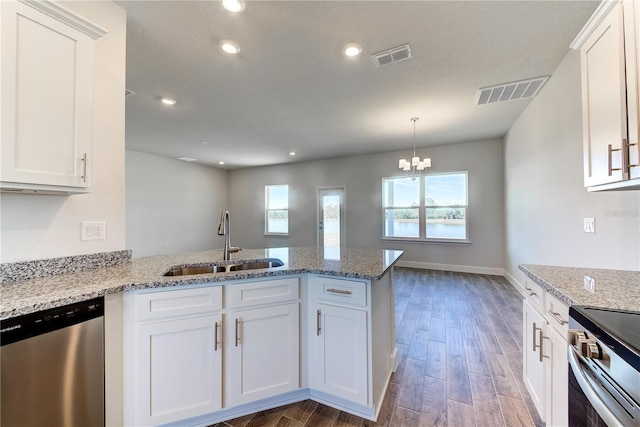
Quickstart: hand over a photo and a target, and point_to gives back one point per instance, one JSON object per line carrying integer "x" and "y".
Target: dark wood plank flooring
{"x": 459, "y": 338}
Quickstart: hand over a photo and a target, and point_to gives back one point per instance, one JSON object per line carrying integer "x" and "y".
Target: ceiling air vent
{"x": 510, "y": 91}
{"x": 391, "y": 56}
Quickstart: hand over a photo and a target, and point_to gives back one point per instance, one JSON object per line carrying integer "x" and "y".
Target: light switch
{"x": 93, "y": 230}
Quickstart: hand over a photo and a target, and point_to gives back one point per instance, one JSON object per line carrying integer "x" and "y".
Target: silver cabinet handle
{"x": 318, "y": 322}
{"x": 339, "y": 291}
{"x": 557, "y": 317}
{"x": 215, "y": 338}
{"x": 629, "y": 153}
{"x": 610, "y": 150}
{"x": 531, "y": 293}
{"x": 533, "y": 334}
{"x": 542, "y": 337}
{"x": 84, "y": 167}
{"x": 625, "y": 157}
{"x": 237, "y": 328}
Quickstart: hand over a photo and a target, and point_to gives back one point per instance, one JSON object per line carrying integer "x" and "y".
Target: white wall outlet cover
{"x": 589, "y": 225}
{"x": 590, "y": 284}
{"x": 93, "y": 230}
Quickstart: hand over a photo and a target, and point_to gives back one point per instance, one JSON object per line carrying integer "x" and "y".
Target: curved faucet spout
{"x": 224, "y": 229}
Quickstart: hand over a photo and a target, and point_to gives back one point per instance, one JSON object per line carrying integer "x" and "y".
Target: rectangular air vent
{"x": 391, "y": 56}
{"x": 510, "y": 91}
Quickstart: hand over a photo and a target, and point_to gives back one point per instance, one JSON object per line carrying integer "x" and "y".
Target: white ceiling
{"x": 291, "y": 87}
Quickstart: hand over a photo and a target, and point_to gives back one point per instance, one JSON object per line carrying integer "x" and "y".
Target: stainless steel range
{"x": 604, "y": 362}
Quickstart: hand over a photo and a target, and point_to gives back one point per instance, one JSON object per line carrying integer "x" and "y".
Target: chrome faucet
{"x": 224, "y": 229}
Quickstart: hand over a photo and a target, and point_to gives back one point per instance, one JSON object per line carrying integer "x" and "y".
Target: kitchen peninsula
{"x": 208, "y": 347}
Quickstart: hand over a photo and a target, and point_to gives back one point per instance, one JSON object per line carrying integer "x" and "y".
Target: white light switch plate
{"x": 93, "y": 230}
{"x": 589, "y": 225}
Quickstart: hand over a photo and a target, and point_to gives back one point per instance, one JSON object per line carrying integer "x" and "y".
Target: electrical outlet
{"x": 94, "y": 230}
{"x": 590, "y": 284}
{"x": 589, "y": 225}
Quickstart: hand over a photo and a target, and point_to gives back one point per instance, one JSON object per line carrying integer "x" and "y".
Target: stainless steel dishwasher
{"x": 53, "y": 367}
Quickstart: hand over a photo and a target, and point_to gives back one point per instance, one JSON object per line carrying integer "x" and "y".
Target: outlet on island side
{"x": 93, "y": 230}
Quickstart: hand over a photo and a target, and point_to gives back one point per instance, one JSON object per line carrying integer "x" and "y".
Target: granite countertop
{"x": 25, "y": 296}
{"x": 617, "y": 289}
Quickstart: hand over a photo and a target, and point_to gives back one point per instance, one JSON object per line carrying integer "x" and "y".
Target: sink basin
{"x": 181, "y": 270}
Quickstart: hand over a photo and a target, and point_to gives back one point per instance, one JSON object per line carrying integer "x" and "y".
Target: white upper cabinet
{"x": 608, "y": 52}
{"x": 46, "y": 98}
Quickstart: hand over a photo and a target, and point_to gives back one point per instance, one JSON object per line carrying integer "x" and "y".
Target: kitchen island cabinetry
{"x": 46, "y": 97}
{"x": 262, "y": 349}
{"x": 176, "y": 355}
{"x": 339, "y": 342}
{"x": 352, "y": 350}
{"x": 610, "y": 104}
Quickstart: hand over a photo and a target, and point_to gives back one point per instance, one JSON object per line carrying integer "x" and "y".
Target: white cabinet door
{"x": 338, "y": 353}
{"x": 179, "y": 369}
{"x": 46, "y": 99}
{"x": 557, "y": 371}
{"x": 262, "y": 353}
{"x": 604, "y": 100}
{"x": 533, "y": 368}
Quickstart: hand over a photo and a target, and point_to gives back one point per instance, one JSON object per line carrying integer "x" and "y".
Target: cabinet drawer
{"x": 263, "y": 292}
{"x": 534, "y": 294}
{"x": 340, "y": 291}
{"x": 169, "y": 303}
{"x": 557, "y": 314}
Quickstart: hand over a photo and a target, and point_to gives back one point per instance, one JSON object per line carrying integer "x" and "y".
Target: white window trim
{"x": 267, "y": 210}
{"x": 422, "y": 214}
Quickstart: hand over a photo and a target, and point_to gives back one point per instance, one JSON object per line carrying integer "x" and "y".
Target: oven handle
{"x": 598, "y": 399}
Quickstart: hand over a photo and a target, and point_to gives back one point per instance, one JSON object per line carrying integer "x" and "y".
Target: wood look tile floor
{"x": 459, "y": 337}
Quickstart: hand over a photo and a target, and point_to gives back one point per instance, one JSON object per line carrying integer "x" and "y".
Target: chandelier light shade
{"x": 415, "y": 166}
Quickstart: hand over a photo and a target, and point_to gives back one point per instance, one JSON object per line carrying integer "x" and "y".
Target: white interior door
{"x": 331, "y": 219}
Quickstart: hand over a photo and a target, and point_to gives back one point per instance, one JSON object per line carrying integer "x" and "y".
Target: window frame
{"x": 422, "y": 209}
{"x": 267, "y": 209}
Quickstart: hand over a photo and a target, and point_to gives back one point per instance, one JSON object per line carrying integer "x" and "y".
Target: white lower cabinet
{"x": 178, "y": 369}
{"x": 338, "y": 353}
{"x": 262, "y": 353}
{"x": 557, "y": 377}
{"x": 198, "y": 355}
{"x": 533, "y": 367}
{"x": 544, "y": 352}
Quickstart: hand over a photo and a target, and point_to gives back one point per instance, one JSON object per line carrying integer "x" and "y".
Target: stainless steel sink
{"x": 182, "y": 270}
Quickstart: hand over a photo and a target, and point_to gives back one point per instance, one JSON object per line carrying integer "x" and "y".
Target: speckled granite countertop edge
{"x": 40, "y": 293}
{"x": 614, "y": 289}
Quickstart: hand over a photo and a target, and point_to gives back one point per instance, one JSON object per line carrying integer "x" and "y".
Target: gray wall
{"x": 545, "y": 201}
{"x": 362, "y": 178}
{"x": 172, "y": 206}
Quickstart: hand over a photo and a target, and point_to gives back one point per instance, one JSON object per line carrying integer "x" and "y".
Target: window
{"x": 276, "y": 211}
{"x": 430, "y": 208}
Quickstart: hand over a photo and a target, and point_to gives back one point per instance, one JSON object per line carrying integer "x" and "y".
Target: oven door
{"x": 591, "y": 404}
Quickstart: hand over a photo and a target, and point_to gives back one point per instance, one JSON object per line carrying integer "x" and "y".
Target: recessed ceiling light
{"x": 168, "y": 101}
{"x": 233, "y": 5}
{"x": 229, "y": 46}
{"x": 352, "y": 49}
{"x": 221, "y": 162}
{"x": 292, "y": 153}
{"x": 186, "y": 159}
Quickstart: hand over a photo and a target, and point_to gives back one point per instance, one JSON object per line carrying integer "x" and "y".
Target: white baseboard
{"x": 514, "y": 282}
{"x": 452, "y": 267}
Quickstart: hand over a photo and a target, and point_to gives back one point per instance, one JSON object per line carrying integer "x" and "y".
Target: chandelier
{"x": 415, "y": 166}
